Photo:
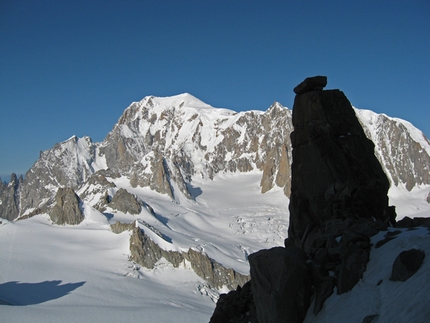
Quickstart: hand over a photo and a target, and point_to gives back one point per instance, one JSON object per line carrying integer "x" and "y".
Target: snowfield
{"x": 82, "y": 273}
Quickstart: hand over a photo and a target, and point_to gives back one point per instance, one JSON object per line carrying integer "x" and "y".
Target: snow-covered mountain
{"x": 402, "y": 149}
{"x": 163, "y": 143}
{"x": 195, "y": 177}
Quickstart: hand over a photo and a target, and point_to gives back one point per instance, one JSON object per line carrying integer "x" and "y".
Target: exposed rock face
{"x": 9, "y": 198}
{"x": 119, "y": 227}
{"x": 276, "y": 170}
{"x": 335, "y": 174}
{"x": 404, "y": 152}
{"x": 126, "y": 202}
{"x": 281, "y": 285}
{"x": 235, "y": 307}
{"x": 163, "y": 142}
{"x": 338, "y": 190}
{"x": 67, "y": 164}
{"x": 67, "y": 207}
{"x": 146, "y": 252}
{"x": 213, "y": 272}
{"x": 407, "y": 264}
{"x": 98, "y": 191}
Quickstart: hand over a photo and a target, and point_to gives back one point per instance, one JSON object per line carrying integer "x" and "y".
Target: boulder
{"x": 315, "y": 83}
{"x": 67, "y": 207}
{"x": 407, "y": 264}
{"x": 281, "y": 284}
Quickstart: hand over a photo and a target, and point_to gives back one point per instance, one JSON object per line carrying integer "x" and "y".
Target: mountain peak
{"x": 180, "y": 100}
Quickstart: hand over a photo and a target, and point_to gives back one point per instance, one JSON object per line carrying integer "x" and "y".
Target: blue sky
{"x": 72, "y": 67}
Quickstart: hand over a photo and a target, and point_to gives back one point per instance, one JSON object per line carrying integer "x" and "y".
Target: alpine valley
{"x": 158, "y": 219}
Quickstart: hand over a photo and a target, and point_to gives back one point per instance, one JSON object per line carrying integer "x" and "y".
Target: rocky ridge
{"x": 145, "y": 252}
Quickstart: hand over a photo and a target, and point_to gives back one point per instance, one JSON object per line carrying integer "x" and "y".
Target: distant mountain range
{"x": 164, "y": 142}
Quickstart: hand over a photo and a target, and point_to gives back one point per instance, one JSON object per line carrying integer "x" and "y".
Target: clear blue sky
{"x": 72, "y": 67}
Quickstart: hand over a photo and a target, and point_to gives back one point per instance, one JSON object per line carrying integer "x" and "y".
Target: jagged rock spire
{"x": 335, "y": 174}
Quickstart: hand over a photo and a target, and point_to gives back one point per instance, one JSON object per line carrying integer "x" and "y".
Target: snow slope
{"x": 82, "y": 273}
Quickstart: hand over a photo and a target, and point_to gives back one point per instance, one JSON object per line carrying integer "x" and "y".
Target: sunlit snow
{"x": 83, "y": 274}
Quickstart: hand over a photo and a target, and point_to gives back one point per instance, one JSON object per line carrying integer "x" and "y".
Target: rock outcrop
{"x": 9, "y": 197}
{"x": 67, "y": 207}
{"x": 126, "y": 202}
{"x": 237, "y": 306}
{"x": 402, "y": 151}
{"x": 335, "y": 174}
{"x": 407, "y": 264}
{"x": 338, "y": 189}
{"x": 119, "y": 227}
{"x": 67, "y": 164}
{"x": 213, "y": 272}
{"x": 145, "y": 252}
{"x": 98, "y": 190}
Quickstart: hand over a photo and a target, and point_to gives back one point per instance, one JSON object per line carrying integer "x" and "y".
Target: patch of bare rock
{"x": 145, "y": 252}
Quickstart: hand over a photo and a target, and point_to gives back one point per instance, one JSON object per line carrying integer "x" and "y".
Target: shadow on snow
{"x": 21, "y": 294}
{"x": 194, "y": 191}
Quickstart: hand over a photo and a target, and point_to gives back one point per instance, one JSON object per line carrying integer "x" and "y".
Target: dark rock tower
{"x": 335, "y": 174}
{"x": 338, "y": 201}
{"x": 338, "y": 189}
